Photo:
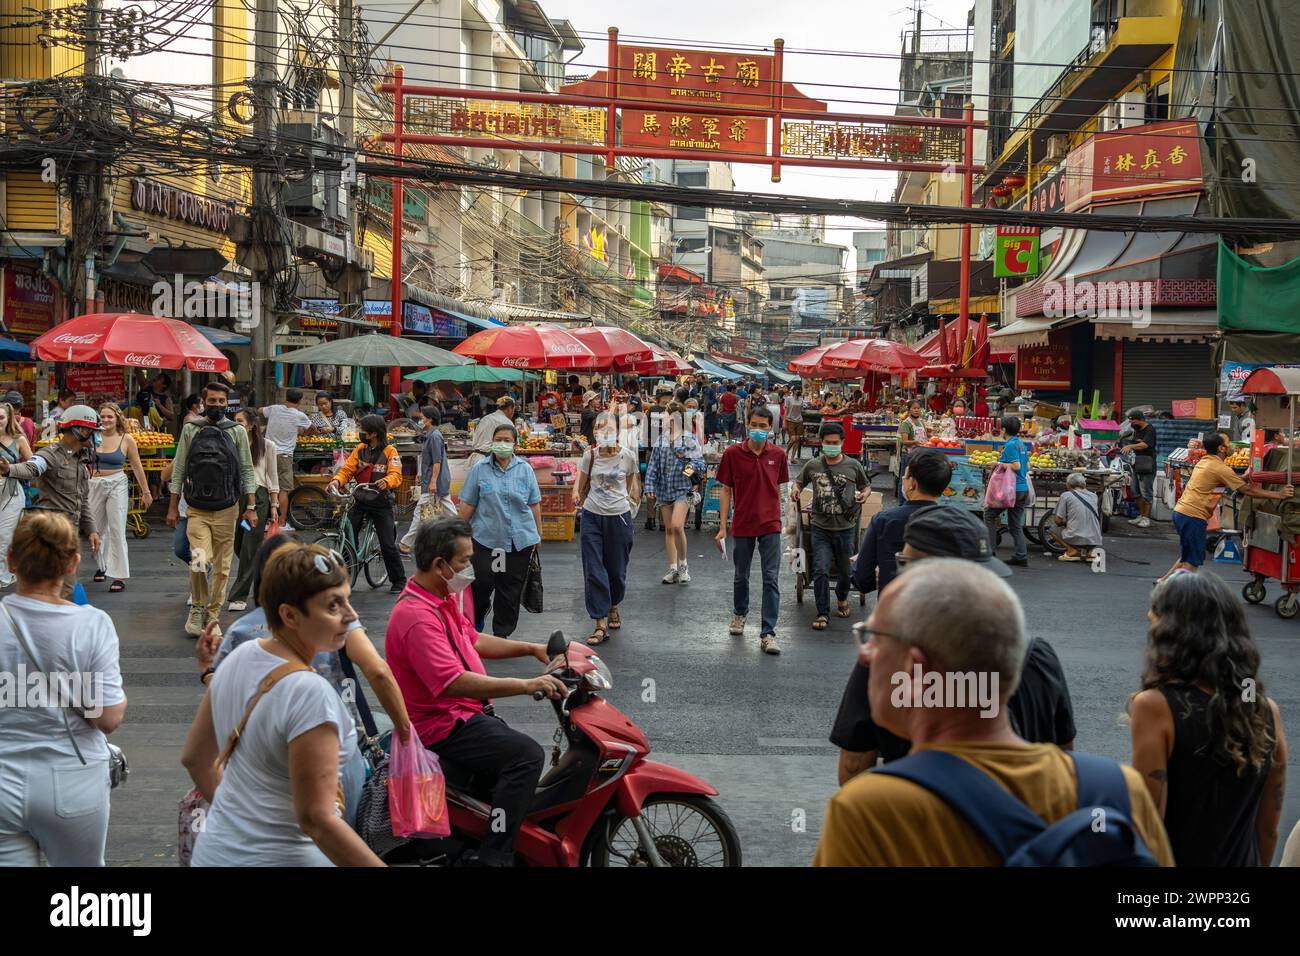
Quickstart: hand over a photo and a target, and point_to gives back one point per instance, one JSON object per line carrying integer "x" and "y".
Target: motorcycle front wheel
{"x": 686, "y": 830}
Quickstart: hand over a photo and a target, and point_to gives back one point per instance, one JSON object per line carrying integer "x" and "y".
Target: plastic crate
{"x": 557, "y": 499}
{"x": 557, "y": 527}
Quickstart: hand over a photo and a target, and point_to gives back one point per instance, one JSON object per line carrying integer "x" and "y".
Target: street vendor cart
{"x": 1270, "y": 527}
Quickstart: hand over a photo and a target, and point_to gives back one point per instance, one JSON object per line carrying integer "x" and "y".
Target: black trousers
{"x": 486, "y": 745}
{"x": 385, "y": 531}
{"x": 500, "y": 582}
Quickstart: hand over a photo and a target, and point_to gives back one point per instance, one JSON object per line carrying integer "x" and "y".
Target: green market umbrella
{"x": 470, "y": 373}
{"x": 373, "y": 350}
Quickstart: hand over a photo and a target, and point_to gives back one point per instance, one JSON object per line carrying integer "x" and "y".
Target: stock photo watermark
{"x": 82, "y": 691}
{"x": 961, "y": 690}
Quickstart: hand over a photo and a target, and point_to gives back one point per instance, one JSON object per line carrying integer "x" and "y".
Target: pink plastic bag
{"x": 417, "y": 790}
{"x": 1001, "y": 489}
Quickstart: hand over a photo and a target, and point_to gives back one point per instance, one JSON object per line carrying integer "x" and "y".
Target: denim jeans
{"x": 769, "y": 551}
{"x": 828, "y": 546}
{"x": 1015, "y": 521}
{"x": 181, "y": 541}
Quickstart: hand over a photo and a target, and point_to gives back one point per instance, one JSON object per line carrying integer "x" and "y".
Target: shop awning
{"x": 221, "y": 336}
{"x": 1167, "y": 325}
{"x": 744, "y": 369}
{"x": 704, "y": 365}
{"x": 11, "y": 350}
{"x": 779, "y": 375}
{"x": 1023, "y": 332}
{"x": 473, "y": 320}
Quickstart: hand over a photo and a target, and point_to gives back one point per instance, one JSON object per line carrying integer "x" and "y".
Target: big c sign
{"x": 1015, "y": 252}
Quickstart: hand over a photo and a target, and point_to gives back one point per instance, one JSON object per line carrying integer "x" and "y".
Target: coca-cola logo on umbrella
{"x": 566, "y": 348}
{"x": 514, "y": 363}
{"x": 68, "y": 339}
{"x": 204, "y": 365}
{"x": 152, "y": 360}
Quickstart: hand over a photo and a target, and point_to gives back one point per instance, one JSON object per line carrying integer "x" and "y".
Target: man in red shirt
{"x": 751, "y": 474}
{"x": 727, "y": 405}
{"x": 436, "y": 658}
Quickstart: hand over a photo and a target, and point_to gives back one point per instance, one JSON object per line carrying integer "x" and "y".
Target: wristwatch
{"x": 210, "y": 670}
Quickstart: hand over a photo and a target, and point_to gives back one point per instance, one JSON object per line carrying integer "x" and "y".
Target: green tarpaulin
{"x": 1255, "y": 298}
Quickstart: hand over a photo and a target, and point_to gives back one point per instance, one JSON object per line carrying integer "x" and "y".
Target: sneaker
{"x": 671, "y": 576}
{"x": 1144, "y": 522}
{"x": 768, "y": 644}
{"x": 737, "y": 624}
{"x": 194, "y": 623}
{"x": 683, "y": 574}
{"x": 1019, "y": 562}
{"x": 237, "y": 606}
{"x": 287, "y": 527}
{"x": 397, "y": 588}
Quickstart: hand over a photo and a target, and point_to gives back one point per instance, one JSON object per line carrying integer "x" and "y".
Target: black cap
{"x": 944, "y": 531}
{"x": 14, "y": 398}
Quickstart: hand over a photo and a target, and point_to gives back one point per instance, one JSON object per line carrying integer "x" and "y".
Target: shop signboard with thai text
{"x": 97, "y": 382}
{"x": 680, "y": 129}
{"x": 28, "y": 301}
{"x": 1044, "y": 367}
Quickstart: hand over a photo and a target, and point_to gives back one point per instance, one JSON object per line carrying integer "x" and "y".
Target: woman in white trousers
{"x": 14, "y": 449}
{"x": 110, "y": 493}
{"x": 54, "y": 783}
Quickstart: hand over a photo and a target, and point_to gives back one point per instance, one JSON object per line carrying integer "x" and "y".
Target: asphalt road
{"x": 754, "y": 726}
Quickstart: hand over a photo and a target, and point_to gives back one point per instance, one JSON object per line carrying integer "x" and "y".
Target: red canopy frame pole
{"x": 395, "y": 373}
{"x": 968, "y": 156}
{"x": 778, "y": 101}
{"x": 611, "y": 110}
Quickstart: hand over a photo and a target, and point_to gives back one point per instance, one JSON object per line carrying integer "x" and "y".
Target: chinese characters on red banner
{"x": 657, "y": 73}
{"x": 1140, "y": 161}
{"x": 1045, "y": 367}
{"x": 675, "y": 129}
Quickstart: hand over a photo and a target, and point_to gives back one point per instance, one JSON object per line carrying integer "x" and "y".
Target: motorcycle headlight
{"x": 600, "y": 678}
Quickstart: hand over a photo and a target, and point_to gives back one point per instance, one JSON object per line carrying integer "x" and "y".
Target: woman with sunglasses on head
{"x": 375, "y": 462}
{"x": 110, "y": 494}
{"x": 1207, "y": 741}
{"x": 212, "y": 649}
{"x": 14, "y": 448}
{"x": 247, "y": 542}
{"x": 271, "y": 739}
{"x": 676, "y": 467}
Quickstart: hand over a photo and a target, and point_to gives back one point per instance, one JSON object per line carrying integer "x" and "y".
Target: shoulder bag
{"x": 531, "y": 598}
{"x": 117, "y": 767}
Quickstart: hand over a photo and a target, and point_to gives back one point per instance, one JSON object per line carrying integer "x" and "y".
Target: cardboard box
{"x": 1205, "y": 408}
{"x": 871, "y": 507}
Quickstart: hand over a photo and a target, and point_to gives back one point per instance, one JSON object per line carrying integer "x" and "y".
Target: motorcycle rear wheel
{"x": 682, "y": 838}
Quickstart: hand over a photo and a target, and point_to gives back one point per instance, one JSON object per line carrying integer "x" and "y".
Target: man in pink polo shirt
{"x": 437, "y": 660}
{"x": 751, "y": 475}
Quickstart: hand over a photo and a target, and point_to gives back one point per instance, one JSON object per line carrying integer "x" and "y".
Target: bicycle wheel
{"x": 340, "y": 544}
{"x": 309, "y": 508}
{"x": 1047, "y": 533}
{"x": 373, "y": 560}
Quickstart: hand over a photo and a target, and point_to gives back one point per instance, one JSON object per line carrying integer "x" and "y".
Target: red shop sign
{"x": 28, "y": 301}
{"x": 1044, "y": 367}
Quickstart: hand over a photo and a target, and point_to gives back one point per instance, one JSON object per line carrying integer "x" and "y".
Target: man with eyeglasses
{"x": 979, "y": 788}
{"x": 1040, "y": 708}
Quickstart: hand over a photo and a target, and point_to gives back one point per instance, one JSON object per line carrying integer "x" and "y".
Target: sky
{"x": 866, "y": 84}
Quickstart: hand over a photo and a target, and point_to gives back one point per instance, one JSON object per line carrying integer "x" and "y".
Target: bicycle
{"x": 360, "y": 553}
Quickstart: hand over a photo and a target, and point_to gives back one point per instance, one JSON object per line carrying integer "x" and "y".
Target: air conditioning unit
{"x": 1057, "y": 146}
{"x": 1131, "y": 108}
{"x": 1110, "y": 117}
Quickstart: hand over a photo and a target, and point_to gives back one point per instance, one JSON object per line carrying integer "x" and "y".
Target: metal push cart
{"x": 1268, "y": 552}
{"x": 152, "y": 464}
{"x": 803, "y": 578}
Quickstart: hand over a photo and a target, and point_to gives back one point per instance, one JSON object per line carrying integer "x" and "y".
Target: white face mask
{"x": 460, "y": 580}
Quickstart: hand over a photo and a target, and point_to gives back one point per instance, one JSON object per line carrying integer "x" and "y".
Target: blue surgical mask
{"x": 757, "y": 435}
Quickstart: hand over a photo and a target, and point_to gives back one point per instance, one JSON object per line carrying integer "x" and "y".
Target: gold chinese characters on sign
{"x": 501, "y": 120}
{"x": 919, "y": 144}
{"x": 675, "y": 129}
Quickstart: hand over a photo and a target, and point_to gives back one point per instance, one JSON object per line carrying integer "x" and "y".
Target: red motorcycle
{"x": 601, "y": 803}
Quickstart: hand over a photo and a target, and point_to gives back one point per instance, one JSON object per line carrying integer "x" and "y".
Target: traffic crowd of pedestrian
{"x": 955, "y": 726}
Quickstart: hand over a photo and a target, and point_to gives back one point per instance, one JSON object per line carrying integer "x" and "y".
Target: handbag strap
{"x": 1084, "y": 501}
{"x": 21, "y": 637}
{"x": 269, "y": 681}
{"x": 363, "y": 705}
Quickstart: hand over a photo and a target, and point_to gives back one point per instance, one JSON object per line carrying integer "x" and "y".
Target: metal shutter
{"x": 1157, "y": 373}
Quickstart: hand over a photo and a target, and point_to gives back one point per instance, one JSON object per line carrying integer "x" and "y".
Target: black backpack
{"x": 212, "y": 469}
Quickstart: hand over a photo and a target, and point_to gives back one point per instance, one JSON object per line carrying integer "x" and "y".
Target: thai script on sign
{"x": 864, "y": 141}
{"x": 428, "y": 114}
{"x": 153, "y": 197}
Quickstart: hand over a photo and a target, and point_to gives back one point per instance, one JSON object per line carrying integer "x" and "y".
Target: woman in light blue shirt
{"x": 1015, "y": 455}
{"x": 503, "y": 505}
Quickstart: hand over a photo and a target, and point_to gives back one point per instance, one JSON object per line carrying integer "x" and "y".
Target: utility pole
{"x": 266, "y": 198}
{"x": 349, "y": 295}
{"x": 85, "y": 178}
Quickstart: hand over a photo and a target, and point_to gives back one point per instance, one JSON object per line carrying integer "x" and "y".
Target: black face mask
{"x": 214, "y": 413}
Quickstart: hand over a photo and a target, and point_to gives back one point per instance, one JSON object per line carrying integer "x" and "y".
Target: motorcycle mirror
{"x": 557, "y": 645}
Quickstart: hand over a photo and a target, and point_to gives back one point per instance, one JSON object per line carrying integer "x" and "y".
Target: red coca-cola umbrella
{"x": 660, "y": 363}
{"x": 616, "y": 349}
{"x": 130, "y": 338}
{"x": 871, "y": 355}
{"x": 806, "y": 364}
{"x": 527, "y": 346}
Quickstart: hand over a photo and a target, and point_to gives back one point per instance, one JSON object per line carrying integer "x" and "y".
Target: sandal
{"x": 820, "y": 622}
{"x": 615, "y": 622}
{"x": 842, "y": 609}
{"x": 598, "y": 636}
{"x": 117, "y": 586}
{"x": 99, "y": 577}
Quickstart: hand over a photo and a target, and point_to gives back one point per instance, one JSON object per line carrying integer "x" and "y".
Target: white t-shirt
{"x": 252, "y": 820}
{"x": 610, "y": 477}
{"x": 282, "y": 425}
{"x": 67, "y": 639}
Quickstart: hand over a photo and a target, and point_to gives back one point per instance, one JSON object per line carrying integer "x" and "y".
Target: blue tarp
{"x": 12, "y": 350}
{"x": 221, "y": 336}
{"x": 715, "y": 370}
{"x": 472, "y": 320}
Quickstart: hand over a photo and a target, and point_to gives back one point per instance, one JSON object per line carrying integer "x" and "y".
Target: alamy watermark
{"x": 1129, "y": 301}
{"x": 179, "y": 299}
{"x": 81, "y": 690}
{"x": 946, "y": 689}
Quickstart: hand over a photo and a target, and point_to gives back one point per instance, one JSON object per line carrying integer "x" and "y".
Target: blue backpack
{"x": 1099, "y": 833}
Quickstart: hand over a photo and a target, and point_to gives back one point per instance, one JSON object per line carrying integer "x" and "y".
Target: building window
{"x": 691, "y": 245}
{"x": 693, "y": 179}
{"x": 691, "y": 212}
{"x": 1158, "y": 102}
